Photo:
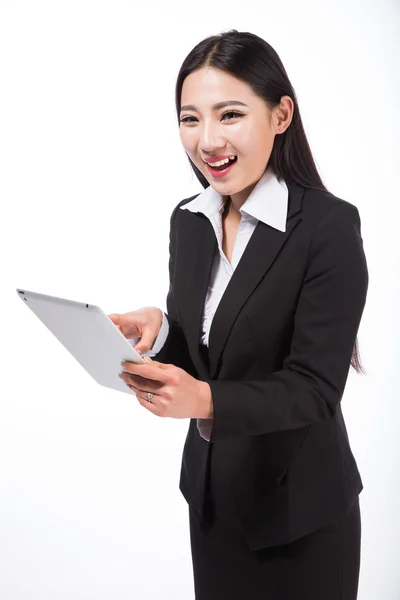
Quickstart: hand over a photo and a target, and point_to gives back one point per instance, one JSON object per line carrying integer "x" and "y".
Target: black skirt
{"x": 323, "y": 565}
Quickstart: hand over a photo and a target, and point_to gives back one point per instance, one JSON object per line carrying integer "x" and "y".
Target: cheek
{"x": 257, "y": 148}
{"x": 189, "y": 139}
{"x": 256, "y": 139}
{"x": 248, "y": 139}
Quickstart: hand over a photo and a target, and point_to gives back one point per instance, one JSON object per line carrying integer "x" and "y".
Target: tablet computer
{"x": 88, "y": 334}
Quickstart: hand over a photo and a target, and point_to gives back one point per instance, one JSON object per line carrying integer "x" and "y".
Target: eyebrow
{"x": 215, "y": 106}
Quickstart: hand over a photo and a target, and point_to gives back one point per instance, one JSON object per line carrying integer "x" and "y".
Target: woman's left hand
{"x": 176, "y": 393}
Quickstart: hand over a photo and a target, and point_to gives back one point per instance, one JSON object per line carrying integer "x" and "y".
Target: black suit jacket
{"x": 280, "y": 347}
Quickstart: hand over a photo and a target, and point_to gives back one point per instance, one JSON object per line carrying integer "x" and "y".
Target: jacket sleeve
{"x": 311, "y": 382}
{"x": 175, "y": 349}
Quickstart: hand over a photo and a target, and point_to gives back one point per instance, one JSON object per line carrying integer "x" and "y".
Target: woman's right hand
{"x": 144, "y": 323}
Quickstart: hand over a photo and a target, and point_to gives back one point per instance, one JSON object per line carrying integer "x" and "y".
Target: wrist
{"x": 206, "y": 407}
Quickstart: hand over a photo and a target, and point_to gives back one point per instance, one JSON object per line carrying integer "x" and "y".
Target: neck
{"x": 237, "y": 200}
{"x": 231, "y": 212}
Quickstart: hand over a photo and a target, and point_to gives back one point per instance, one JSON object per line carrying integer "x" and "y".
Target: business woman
{"x": 268, "y": 282}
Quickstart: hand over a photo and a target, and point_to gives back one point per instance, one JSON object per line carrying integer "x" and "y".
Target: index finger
{"x": 146, "y": 371}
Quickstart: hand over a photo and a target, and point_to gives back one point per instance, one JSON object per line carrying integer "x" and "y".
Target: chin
{"x": 228, "y": 187}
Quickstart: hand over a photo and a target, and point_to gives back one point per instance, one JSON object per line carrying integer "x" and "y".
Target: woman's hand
{"x": 176, "y": 393}
{"x": 144, "y": 323}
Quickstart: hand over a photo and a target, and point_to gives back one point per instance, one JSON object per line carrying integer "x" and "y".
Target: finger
{"x": 121, "y": 324}
{"x": 146, "y": 342}
{"x": 142, "y": 384}
{"x": 148, "y": 406}
{"x": 155, "y": 363}
{"x": 160, "y": 365}
{"x": 145, "y": 403}
{"x": 146, "y": 371}
{"x": 115, "y": 318}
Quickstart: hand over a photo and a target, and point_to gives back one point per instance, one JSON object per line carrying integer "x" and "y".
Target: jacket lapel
{"x": 197, "y": 247}
{"x": 200, "y": 245}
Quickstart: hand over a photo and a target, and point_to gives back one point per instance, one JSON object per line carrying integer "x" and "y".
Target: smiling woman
{"x": 251, "y": 537}
{"x": 268, "y": 282}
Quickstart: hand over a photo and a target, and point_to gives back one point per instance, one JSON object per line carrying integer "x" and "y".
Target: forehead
{"x": 208, "y": 85}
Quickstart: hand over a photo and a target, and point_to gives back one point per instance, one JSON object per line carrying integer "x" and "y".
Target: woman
{"x": 268, "y": 282}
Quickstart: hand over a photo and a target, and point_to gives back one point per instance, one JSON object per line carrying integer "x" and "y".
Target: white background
{"x": 91, "y": 169}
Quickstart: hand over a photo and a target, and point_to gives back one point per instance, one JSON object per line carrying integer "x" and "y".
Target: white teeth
{"x": 222, "y": 162}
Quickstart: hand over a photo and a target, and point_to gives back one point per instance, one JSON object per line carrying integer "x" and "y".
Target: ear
{"x": 283, "y": 114}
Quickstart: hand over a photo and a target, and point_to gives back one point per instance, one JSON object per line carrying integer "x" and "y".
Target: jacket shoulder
{"x": 181, "y": 203}
{"x": 318, "y": 203}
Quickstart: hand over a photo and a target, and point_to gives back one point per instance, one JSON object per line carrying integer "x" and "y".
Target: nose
{"x": 210, "y": 137}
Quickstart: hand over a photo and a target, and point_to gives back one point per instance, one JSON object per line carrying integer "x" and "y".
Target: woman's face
{"x": 243, "y": 127}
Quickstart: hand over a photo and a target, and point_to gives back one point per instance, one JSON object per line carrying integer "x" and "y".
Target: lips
{"x": 215, "y": 159}
{"x": 224, "y": 166}
{"x": 223, "y": 170}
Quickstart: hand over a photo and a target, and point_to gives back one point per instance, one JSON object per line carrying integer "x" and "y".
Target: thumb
{"x": 145, "y": 343}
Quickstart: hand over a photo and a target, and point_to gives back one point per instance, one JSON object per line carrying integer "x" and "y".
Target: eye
{"x": 186, "y": 120}
{"x": 233, "y": 112}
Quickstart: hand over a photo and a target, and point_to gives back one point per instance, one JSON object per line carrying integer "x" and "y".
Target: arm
{"x": 311, "y": 383}
{"x": 170, "y": 346}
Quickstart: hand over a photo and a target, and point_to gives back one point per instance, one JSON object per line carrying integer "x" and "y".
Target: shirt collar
{"x": 267, "y": 202}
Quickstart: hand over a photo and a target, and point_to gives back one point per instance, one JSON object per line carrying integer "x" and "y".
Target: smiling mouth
{"x": 223, "y": 166}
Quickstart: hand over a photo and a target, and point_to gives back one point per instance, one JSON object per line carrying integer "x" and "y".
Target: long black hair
{"x": 251, "y": 59}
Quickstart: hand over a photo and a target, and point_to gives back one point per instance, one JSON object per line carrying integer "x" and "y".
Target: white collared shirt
{"x": 267, "y": 202}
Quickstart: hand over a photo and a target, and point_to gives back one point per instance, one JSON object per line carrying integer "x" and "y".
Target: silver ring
{"x": 149, "y": 396}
